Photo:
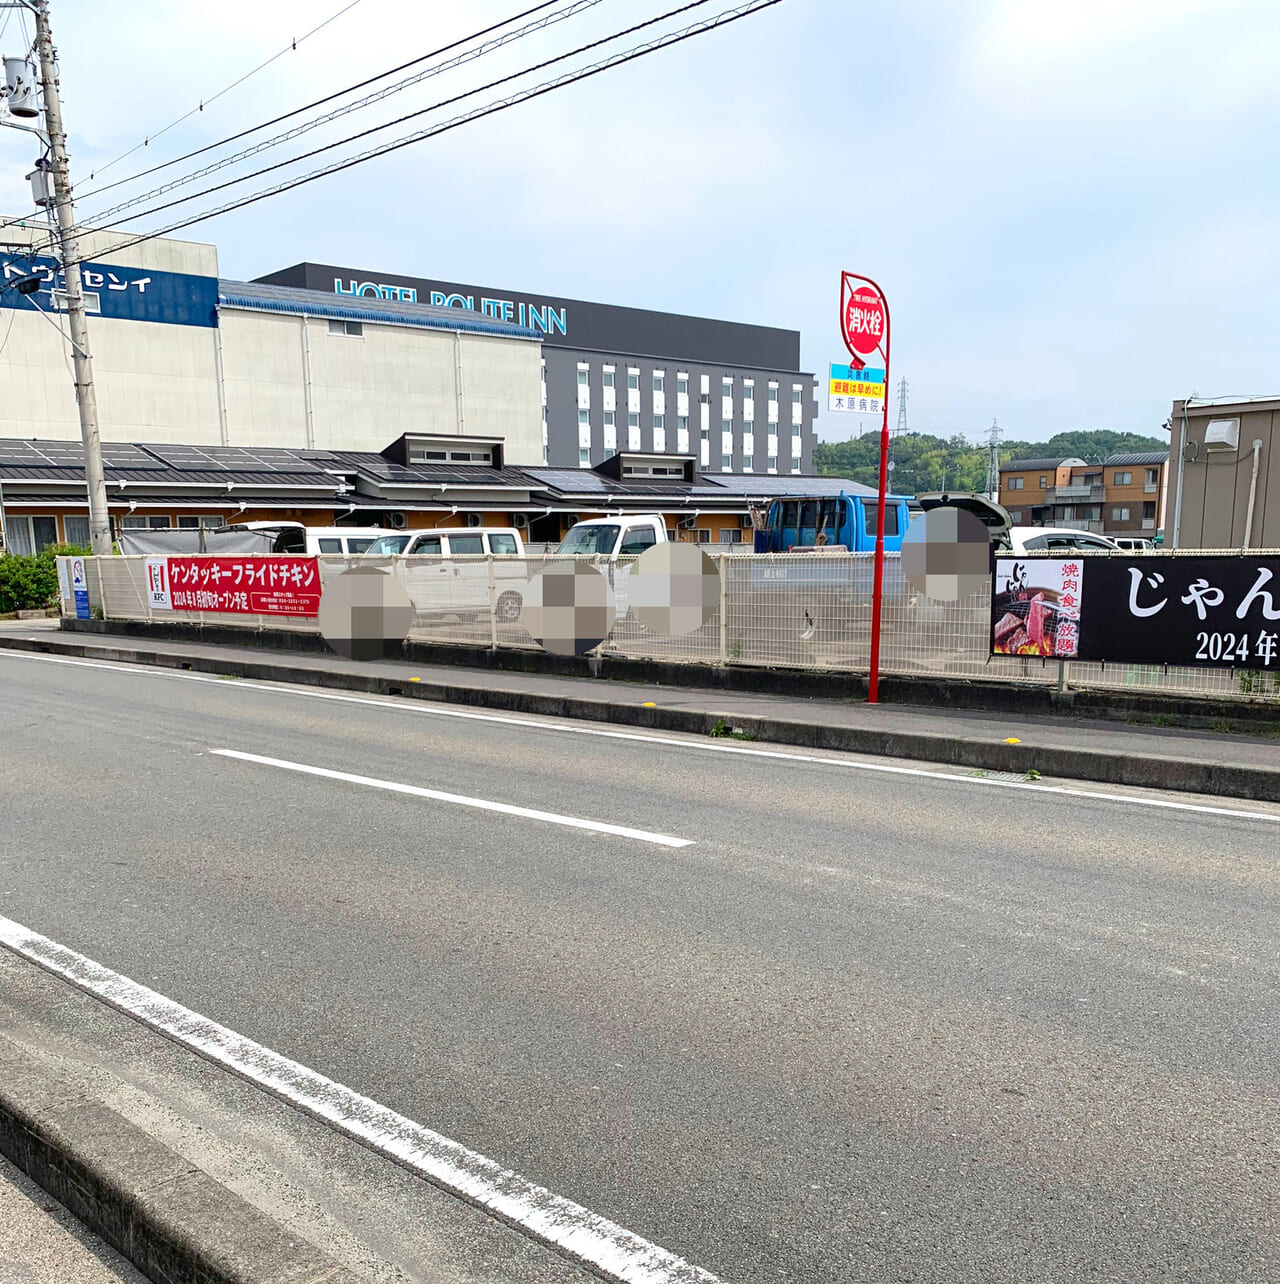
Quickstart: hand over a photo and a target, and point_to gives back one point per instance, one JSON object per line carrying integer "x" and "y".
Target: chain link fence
{"x": 806, "y": 610}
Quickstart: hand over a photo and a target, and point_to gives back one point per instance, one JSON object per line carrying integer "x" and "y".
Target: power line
{"x": 328, "y": 98}
{"x": 400, "y": 120}
{"x": 291, "y": 46}
{"x": 244, "y": 133}
{"x": 672, "y": 38}
{"x": 470, "y": 55}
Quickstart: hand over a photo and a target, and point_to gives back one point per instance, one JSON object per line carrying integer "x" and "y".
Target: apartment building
{"x": 1122, "y": 495}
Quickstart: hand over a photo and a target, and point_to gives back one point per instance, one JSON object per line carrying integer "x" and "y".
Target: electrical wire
{"x": 570, "y": 10}
{"x": 713, "y": 23}
{"x": 328, "y": 98}
{"x": 244, "y": 133}
{"x": 400, "y": 120}
{"x": 292, "y": 46}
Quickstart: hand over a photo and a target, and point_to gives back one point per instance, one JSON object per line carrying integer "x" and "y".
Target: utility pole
{"x": 69, "y": 241}
{"x": 994, "y": 433}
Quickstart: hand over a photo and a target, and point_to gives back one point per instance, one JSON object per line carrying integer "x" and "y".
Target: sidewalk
{"x": 42, "y": 1243}
{"x": 1233, "y": 765}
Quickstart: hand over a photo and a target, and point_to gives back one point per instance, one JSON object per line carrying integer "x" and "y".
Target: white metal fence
{"x": 809, "y": 610}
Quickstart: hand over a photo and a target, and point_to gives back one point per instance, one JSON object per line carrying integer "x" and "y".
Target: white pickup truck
{"x": 605, "y": 539}
{"x": 614, "y": 537}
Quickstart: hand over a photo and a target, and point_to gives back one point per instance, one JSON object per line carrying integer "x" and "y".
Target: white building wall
{"x": 154, "y": 382}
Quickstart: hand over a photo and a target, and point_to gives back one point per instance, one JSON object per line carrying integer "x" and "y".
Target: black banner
{"x": 1220, "y": 610}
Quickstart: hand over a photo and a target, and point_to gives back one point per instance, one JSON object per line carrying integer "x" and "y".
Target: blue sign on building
{"x": 124, "y": 293}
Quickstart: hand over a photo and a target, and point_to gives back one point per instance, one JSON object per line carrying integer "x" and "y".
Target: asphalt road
{"x": 865, "y": 1027}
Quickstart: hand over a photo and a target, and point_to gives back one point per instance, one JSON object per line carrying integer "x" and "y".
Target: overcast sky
{"x": 1073, "y": 207}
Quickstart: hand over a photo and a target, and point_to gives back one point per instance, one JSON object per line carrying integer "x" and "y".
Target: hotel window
{"x": 633, "y": 420}
{"x": 633, "y": 380}
{"x": 584, "y": 457}
{"x": 726, "y": 386}
{"x": 726, "y": 462}
{"x": 584, "y": 417}
{"x": 608, "y": 378}
{"x": 796, "y": 396}
{"x": 659, "y": 380}
{"x": 795, "y": 465}
{"x": 726, "y": 425}
{"x": 609, "y": 420}
{"x": 706, "y": 433}
{"x": 353, "y": 329}
{"x": 682, "y": 385}
{"x": 659, "y": 422}
{"x": 682, "y": 423}
{"x": 773, "y": 392}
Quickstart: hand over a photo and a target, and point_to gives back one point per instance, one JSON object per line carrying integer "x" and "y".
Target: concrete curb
{"x": 170, "y": 1219}
{"x": 1187, "y": 775}
{"x": 976, "y": 694}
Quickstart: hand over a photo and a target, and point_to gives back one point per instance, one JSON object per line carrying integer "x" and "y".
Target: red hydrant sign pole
{"x": 864, "y": 325}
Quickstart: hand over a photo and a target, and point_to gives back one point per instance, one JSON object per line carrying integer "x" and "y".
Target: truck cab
{"x": 833, "y": 523}
{"x": 614, "y": 537}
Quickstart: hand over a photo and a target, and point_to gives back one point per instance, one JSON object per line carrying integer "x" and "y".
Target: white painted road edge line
{"x": 440, "y": 711}
{"x": 568, "y": 1227}
{"x": 482, "y": 804}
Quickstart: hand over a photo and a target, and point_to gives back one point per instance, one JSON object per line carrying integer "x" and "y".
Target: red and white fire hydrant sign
{"x": 242, "y": 585}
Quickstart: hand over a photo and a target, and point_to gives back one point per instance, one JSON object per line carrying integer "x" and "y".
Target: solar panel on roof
{"x": 185, "y": 458}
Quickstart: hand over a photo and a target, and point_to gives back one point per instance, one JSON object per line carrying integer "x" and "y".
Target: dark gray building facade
{"x": 618, "y": 378}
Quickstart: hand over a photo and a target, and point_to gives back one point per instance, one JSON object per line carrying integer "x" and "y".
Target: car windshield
{"x": 589, "y": 539}
{"x": 386, "y": 544}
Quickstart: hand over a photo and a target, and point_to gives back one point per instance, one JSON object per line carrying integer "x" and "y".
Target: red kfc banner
{"x": 244, "y": 585}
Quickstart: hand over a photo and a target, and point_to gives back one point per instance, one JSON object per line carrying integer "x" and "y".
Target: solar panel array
{"x": 207, "y": 459}
{"x": 69, "y": 454}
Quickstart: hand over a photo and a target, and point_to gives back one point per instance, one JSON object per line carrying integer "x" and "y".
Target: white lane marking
{"x": 849, "y": 764}
{"x": 586, "y": 1236}
{"x": 462, "y": 800}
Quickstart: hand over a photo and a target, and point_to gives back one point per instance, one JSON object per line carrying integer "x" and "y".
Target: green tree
{"x": 923, "y": 462}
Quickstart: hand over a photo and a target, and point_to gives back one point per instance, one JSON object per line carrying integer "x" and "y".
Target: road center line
{"x": 614, "y": 1251}
{"x": 847, "y": 764}
{"x": 462, "y": 800}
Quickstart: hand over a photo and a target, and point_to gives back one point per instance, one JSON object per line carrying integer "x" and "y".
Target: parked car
{"x": 449, "y": 586}
{"x": 1056, "y": 539}
{"x": 1133, "y": 543}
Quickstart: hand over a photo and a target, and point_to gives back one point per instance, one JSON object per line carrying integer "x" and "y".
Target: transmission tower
{"x": 994, "y": 433}
{"x": 902, "y": 405}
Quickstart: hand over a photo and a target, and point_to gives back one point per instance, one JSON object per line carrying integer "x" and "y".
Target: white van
{"x": 447, "y": 586}
{"x": 300, "y": 540}
{"x": 458, "y": 541}
{"x": 341, "y": 539}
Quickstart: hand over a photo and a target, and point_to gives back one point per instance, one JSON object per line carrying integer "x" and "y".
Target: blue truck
{"x": 831, "y": 522}
{"x": 816, "y": 595}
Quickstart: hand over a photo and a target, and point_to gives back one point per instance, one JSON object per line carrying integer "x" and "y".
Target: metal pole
{"x": 86, "y": 400}
{"x": 873, "y": 682}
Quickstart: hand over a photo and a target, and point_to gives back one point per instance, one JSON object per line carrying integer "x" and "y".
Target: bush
{"x": 27, "y": 583}
{"x": 31, "y": 583}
